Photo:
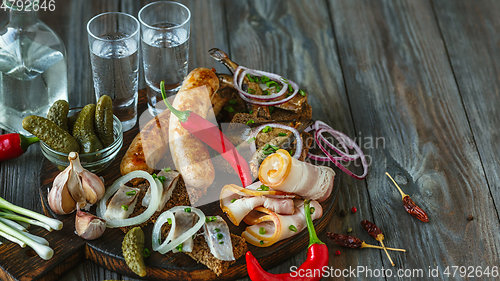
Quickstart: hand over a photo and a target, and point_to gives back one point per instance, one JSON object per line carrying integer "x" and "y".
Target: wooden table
{"x": 416, "y": 82}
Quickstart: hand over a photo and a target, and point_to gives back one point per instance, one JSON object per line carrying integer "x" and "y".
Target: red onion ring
{"x": 248, "y": 97}
{"x": 299, "y": 145}
{"x": 345, "y": 142}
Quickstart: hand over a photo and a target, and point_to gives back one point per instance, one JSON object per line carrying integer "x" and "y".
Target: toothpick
{"x": 385, "y": 249}
{"x": 364, "y": 245}
{"x": 403, "y": 195}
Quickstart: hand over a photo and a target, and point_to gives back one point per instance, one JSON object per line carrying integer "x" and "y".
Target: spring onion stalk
{"x": 25, "y": 224}
{"x": 43, "y": 251}
{"x": 53, "y": 223}
{"x": 12, "y": 239}
{"x": 13, "y": 224}
{"x": 25, "y": 219}
{"x": 37, "y": 239}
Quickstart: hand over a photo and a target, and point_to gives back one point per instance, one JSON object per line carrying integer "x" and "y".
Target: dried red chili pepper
{"x": 212, "y": 136}
{"x": 354, "y": 242}
{"x": 14, "y": 145}
{"x": 317, "y": 257}
{"x": 375, "y": 232}
{"x": 409, "y": 205}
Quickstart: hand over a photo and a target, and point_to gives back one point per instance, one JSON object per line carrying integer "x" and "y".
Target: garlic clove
{"x": 88, "y": 226}
{"x": 92, "y": 186}
{"x": 60, "y": 200}
{"x": 74, "y": 182}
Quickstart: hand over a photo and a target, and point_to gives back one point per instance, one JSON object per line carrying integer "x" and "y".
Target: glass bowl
{"x": 95, "y": 161}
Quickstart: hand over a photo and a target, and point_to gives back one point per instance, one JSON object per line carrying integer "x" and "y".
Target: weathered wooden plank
{"x": 296, "y": 40}
{"x": 401, "y": 87}
{"x": 471, "y": 31}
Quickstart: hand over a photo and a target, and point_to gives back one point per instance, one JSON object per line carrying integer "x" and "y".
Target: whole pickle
{"x": 104, "y": 120}
{"x": 53, "y": 135}
{"x": 132, "y": 248}
{"x": 83, "y": 130}
{"x": 58, "y": 113}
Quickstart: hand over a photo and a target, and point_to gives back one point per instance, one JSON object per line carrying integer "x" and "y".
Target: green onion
{"x": 179, "y": 247}
{"x": 274, "y": 147}
{"x": 229, "y": 108}
{"x": 125, "y": 207}
{"x": 233, "y": 102}
{"x": 267, "y": 146}
{"x": 267, "y": 152}
{"x": 154, "y": 176}
{"x": 162, "y": 179}
{"x": 131, "y": 193}
{"x": 264, "y": 79}
{"x": 302, "y": 93}
{"x": 292, "y": 228}
{"x": 312, "y": 210}
{"x": 217, "y": 230}
{"x": 282, "y": 134}
{"x": 250, "y": 122}
{"x": 271, "y": 84}
{"x": 262, "y": 231}
{"x": 291, "y": 152}
{"x": 187, "y": 210}
{"x": 169, "y": 221}
{"x": 251, "y": 91}
{"x": 250, "y": 78}
{"x": 261, "y": 242}
{"x": 233, "y": 200}
{"x": 271, "y": 109}
{"x": 167, "y": 169}
{"x": 250, "y": 140}
{"x": 266, "y": 92}
{"x": 221, "y": 242}
{"x": 290, "y": 88}
{"x": 220, "y": 235}
{"x": 262, "y": 188}
{"x": 251, "y": 112}
{"x": 146, "y": 252}
{"x": 210, "y": 219}
{"x": 267, "y": 129}
{"x": 278, "y": 88}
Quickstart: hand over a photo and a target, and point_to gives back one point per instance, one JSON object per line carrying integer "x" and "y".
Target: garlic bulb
{"x": 75, "y": 186}
{"x": 88, "y": 226}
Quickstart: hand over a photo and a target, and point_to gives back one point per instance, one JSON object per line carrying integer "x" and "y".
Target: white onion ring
{"x": 156, "y": 191}
{"x": 170, "y": 244}
{"x": 248, "y": 97}
{"x": 335, "y": 160}
{"x": 299, "y": 146}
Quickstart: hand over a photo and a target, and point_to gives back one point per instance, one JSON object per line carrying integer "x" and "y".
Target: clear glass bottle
{"x": 33, "y": 69}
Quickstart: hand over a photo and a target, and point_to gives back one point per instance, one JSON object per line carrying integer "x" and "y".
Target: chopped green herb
{"x": 271, "y": 84}
{"x": 210, "y": 219}
{"x": 221, "y": 242}
{"x": 250, "y": 140}
{"x": 278, "y": 88}
{"x": 291, "y": 152}
{"x": 292, "y": 228}
{"x": 261, "y": 242}
{"x": 287, "y": 95}
{"x": 266, "y": 92}
{"x": 267, "y": 152}
{"x": 250, "y": 122}
{"x": 146, "y": 252}
{"x": 274, "y": 147}
{"x": 302, "y": 93}
{"x": 169, "y": 221}
{"x": 251, "y": 112}
{"x": 250, "y": 78}
{"x": 290, "y": 88}
{"x": 179, "y": 247}
{"x": 154, "y": 176}
{"x": 217, "y": 230}
{"x": 187, "y": 210}
{"x": 263, "y": 188}
{"x": 159, "y": 241}
{"x": 312, "y": 210}
{"x": 162, "y": 179}
{"x": 131, "y": 193}
{"x": 264, "y": 79}
{"x": 251, "y": 91}
{"x": 125, "y": 207}
{"x": 267, "y": 146}
{"x": 233, "y": 102}
{"x": 262, "y": 231}
{"x": 267, "y": 129}
{"x": 220, "y": 235}
{"x": 271, "y": 109}
{"x": 167, "y": 169}
{"x": 233, "y": 200}
{"x": 284, "y": 80}
{"x": 230, "y": 109}
{"x": 282, "y": 134}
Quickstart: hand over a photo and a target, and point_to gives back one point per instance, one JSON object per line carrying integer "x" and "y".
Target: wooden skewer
{"x": 364, "y": 245}
{"x": 387, "y": 253}
{"x": 403, "y": 195}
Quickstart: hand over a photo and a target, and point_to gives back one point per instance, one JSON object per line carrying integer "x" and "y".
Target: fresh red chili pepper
{"x": 212, "y": 136}
{"x": 317, "y": 257}
{"x": 14, "y": 145}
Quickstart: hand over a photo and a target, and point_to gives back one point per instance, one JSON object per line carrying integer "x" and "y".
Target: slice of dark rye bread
{"x": 201, "y": 253}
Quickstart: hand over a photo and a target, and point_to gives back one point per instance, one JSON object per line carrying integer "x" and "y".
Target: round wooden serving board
{"x": 106, "y": 251}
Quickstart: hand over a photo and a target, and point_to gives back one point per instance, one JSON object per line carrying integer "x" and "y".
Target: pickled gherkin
{"x": 132, "y": 248}
{"x": 104, "y": 120}
{"x": 53, "y": 135}
{"x": 58, "y": 113}
{"x": 83, "y": 130}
